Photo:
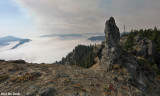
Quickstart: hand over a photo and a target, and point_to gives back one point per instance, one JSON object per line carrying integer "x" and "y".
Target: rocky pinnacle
{"x": 111, "y": 51}
{"x": 112, "y": 34}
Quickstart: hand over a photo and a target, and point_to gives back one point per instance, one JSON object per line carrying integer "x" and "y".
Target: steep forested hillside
{"x": 82, "y": 56}
{"x": 151, "y": 34}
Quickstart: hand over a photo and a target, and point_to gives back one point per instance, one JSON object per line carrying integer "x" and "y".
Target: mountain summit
{"x": 121, "y": 68}
{"x": 113, "y": 71}
{"x": 115, "y": 57}
{"x": 112, "y": 33}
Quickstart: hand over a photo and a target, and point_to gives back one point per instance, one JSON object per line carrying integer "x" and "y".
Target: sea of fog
{"x": 43, "y": 50}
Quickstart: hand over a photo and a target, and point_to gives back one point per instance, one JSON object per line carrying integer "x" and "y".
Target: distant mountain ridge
{"x": 97, "y": 38}
{"x": 5, "y": 41}
{"x": 71, "y": 35}
{"x": 102, "y": 38}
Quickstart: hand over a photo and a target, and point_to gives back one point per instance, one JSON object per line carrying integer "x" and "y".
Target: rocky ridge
{"x": 115, "y": 56}
{"x": 144, "y": 47}
{"x": 111, "y": 49}
{"x": 118, "y": 74}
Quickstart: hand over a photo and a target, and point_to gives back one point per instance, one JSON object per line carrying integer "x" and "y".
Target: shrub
{"x": 141, "y": 61}
{"x": 1, "y": 60}
{"x": 66, "y": 80}
{"x": 15, "y": 68}
{"x": 78, "y": 86}
{"x": 26, "y": 77}
{"x": 3, "y": 77}
{"x": 19, "y": 61}
{"x": 82, "y": 56}
{"x": 23, "y": 78}
{"x": 155, "y": 68}
{"x": 116, "y": 66}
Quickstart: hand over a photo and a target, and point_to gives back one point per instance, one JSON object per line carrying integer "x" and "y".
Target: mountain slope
{"x": 6, "y": 40}
{"x": 97, "y": 38}
{"x": 122, "y": 65}
{"x": 117, "y": 73}
{"x": 82, "y": 56}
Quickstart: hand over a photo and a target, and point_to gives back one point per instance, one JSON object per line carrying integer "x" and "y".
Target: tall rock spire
{"x": 111, "y": 50}
{"x": 112, "y": 34}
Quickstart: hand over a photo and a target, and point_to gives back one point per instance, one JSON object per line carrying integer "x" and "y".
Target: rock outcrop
{"x": 144, "y": 47}
{"x": 47, "y": 92}
{"x": 112, "y": 34}
{"x": 114, "y": 57}
{"x": 111, "y": 49}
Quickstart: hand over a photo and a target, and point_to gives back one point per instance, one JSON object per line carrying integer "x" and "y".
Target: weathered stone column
{"x": 111, "y": 51}
{"x": 112, "y": 34}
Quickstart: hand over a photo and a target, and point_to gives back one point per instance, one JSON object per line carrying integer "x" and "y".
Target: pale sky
{"x": 31, "y": 18}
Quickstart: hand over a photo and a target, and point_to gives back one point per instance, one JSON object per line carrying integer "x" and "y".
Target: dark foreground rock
{"x": 47, "y": 92}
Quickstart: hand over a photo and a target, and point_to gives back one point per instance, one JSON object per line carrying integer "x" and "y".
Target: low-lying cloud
{"x": 43, "y": 50}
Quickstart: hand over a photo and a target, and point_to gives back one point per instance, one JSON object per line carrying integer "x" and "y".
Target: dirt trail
{"x": 95, "y": 65}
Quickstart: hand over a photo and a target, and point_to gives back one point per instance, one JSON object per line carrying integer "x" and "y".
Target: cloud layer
{"x": 43, "y": 50}
{"x": 88, "y": 16}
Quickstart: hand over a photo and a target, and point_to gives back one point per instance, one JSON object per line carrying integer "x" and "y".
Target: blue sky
{"x": 13, "y": 20}
{"x": 31, "y": 18}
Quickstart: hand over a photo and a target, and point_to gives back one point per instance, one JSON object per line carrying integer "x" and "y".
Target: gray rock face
{"x": 59, "y": 75}
{"x": 123, "y": 40}
{"x": 113, "y": 55}
{"x": 111, "y": 50}
{"x": 144, "y": 47}
{"x": 47, "y": 92}
{"x": 112, "y": 34}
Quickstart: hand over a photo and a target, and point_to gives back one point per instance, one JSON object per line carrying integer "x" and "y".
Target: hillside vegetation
{"x": 82, "y": 56}
{"x": 151, "y": 34}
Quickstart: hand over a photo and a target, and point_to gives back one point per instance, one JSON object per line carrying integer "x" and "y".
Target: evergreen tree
{"x": 151, "y": 34}
{"x": 82, "y": 56}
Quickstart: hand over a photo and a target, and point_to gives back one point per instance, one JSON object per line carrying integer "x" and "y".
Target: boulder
{"x": 47, "y": 92}
{"x": 61, "y": 75}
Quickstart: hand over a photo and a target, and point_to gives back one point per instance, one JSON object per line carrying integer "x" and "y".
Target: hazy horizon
{"x": 43, "y": 49}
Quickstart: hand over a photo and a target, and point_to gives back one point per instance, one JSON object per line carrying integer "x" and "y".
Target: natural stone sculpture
{"x": 112, "y": 34}
{"x": 111, "y": 50}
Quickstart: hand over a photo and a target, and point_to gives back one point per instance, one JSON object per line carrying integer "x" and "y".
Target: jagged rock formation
{"x": 144, "y": 47}
{"x": 112, "y": 34}
{"x": 113, "y": 56}
{"x": 111, "y": 49}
